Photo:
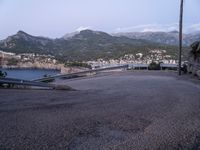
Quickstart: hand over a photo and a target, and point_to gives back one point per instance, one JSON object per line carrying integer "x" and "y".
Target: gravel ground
{"x": 136, "y": 111}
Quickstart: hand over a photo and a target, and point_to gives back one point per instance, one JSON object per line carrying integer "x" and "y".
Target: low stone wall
{"x": 194, "y": 59}
{"x": 193, "y": 69}
{"x": 198, "y": 73}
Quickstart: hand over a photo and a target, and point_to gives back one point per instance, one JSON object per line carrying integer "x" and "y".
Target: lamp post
{"x": 180, "y": 36}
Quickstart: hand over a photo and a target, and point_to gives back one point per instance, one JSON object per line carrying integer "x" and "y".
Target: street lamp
{"x": 180, "y": 36}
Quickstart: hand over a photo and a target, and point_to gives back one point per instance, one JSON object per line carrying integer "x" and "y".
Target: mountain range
{"x": 91, "y": 45}
{"x": 171, "y": 38}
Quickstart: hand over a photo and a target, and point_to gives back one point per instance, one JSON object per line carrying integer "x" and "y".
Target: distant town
{"x": 30, "y": 60}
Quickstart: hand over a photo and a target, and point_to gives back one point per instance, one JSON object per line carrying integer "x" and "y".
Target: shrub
{"x": 3, "y": 74}
{"x": 154, "y": 66}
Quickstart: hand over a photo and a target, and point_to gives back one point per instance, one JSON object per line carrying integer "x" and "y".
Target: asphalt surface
{"x": 136, "y": 111}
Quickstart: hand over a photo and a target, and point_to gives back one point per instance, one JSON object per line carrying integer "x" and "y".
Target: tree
{"x": 180, "y": 36}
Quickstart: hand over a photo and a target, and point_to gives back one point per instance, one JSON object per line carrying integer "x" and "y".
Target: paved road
{"x": 120, "y": 111}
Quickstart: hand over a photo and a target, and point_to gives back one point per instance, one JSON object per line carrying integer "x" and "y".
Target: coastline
{"x": 45, "y": 66}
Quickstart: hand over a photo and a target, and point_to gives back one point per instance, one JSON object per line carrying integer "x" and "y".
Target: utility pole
{"x": 180, "y": 36}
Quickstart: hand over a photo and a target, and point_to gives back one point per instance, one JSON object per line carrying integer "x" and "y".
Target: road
{"x": 136, "y": 111}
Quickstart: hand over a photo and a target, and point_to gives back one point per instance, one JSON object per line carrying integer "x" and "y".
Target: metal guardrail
{"x": 40, "y": 82}
{"x": 24, "y": 82}
{"x": 169, "y": 65}
{"x": 79, "y": 73}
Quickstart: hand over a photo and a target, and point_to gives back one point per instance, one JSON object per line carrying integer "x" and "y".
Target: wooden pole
{"x": 180, "y": 36}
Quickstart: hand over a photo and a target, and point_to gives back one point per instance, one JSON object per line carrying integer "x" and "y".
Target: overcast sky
{"x": 54, "y": 18}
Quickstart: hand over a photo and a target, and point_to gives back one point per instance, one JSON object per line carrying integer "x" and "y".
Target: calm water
{"x": 29, "y": 74}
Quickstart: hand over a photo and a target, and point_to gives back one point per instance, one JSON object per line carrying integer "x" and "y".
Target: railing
{"x": 12, "y": 81}
{"x": 169, "y": 65}
{"x": 80, "y": 73}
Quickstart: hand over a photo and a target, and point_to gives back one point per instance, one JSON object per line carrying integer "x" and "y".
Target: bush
{"x": 3, "y": 74}
{"x": 154, "y": 66}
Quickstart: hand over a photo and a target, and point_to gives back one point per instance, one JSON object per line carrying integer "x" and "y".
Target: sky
{"x": 55, "y": 18}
